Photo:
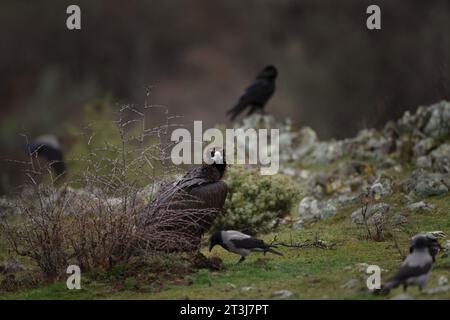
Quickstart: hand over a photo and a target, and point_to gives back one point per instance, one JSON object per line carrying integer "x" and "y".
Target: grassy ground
{"x": 310, "y": 273}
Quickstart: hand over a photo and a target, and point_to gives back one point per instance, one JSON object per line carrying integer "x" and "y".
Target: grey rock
{"x": 421, "y": 205}
{"x": 442, "y": 281}
{"x": 309, "y": 208}
{"x": 312, "y": 209}
{"x": 440, "y": 158}
{"x": 347, "y": 198}
{"x": 437, "y": 125}
{"x": 373, "y": 214}
{"x": 307, "y": 140}
{"x": 326, "y": 152}
{"x": 399, "y": 219}
{"x": 438, "y": 290}
{"x": 423, "y": 147}
{"x": 430, "y": 185}
{"x": 352, "y": 283}
{"x": 424, "y": 162}
{"x": 427, "y": 184}
{"x": 402, "y": 296}
{"x": 298, "y": 225}
{"x": 289, "y": 171}
{"x": 283, "y": 294}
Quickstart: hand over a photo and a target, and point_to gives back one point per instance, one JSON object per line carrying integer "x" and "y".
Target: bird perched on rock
{"x": 415, "y": 269}
{"x": 200, "y": 190}
{"x": 240, "y": 243}
{"x": 257, "y": 94}
{"x": 434, "y": 246}
{"x": 48, "y": 147}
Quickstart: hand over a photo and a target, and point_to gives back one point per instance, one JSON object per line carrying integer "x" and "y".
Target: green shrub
{"x": 256, "y": 202}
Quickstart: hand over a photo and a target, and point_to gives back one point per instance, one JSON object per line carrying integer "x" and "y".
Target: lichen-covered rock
{"x": 421, "y": 205}
{"x": 438, "y": 124}
{"x": 424, "y": 162}
{"x": 307, "y": 140}
{"x": 440, "y": 158}
{"x": 326, "y": 152}
{"x": 423, "y": 147}
{"x": 430, "y": 185}
{"x": 282, "y": 294}
{"x": 313, "y": 209}
{"x": 427, "y": 184}
{"x": 399, "y": 219}
{"x": 373, "y": 213}
{"x": 433, "y": 121}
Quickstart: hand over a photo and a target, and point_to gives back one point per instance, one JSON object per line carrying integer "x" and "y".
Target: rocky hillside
{"x": 409, "y": 157}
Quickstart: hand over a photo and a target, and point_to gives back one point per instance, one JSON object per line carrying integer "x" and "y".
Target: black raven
{"x": 257, "y": 94}
{"x": 48, "y": 146}
{"x": 239, "y": 243}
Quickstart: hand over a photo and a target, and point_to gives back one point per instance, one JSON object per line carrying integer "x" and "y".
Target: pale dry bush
{"x": 107, "y": 219}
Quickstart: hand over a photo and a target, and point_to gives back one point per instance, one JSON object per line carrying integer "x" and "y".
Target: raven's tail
{"x": 237, "y": 109}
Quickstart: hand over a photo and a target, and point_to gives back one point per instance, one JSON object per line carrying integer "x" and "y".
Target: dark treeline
{"x": 334, "y": 74}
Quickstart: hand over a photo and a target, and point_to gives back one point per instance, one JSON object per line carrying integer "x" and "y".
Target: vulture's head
{"x": 216, "y": 239}
{"x": 217, "y": 157}
{"x": 218, "y": 161}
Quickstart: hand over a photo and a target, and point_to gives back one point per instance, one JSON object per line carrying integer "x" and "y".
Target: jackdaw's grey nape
{"x": 240, "y": 243}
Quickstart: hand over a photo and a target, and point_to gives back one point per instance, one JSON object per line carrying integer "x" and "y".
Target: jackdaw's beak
{"x": 211, "y": 246}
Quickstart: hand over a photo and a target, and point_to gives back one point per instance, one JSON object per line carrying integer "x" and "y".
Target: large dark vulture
{"x": 48, "y": 147}
{"x": 199, "y": 196}
{"x": 257, "y": 94}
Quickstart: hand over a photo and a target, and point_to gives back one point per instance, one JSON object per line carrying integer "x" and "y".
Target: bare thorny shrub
{"x": 107, "y": 220}
{"x": 379, "y": 227}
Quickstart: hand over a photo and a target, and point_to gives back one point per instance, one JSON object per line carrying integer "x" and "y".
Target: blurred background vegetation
{"x": 335, "y": 75}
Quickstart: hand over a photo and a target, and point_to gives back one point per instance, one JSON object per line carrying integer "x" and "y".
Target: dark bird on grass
{"x": 434, "y": 246}
{"x": 48, "y": 147}
{"x": 257, "y": 94}
{"x": 240, "y": 243}
{"x": 201, "y": 189}
{"x": 415, "y": 269}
